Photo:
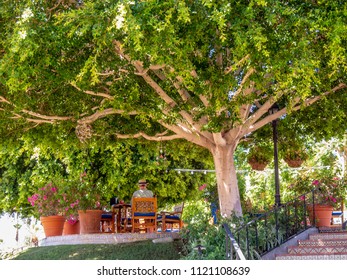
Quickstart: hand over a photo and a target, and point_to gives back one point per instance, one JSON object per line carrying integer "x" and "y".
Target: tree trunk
{"x": 228, "y": 191}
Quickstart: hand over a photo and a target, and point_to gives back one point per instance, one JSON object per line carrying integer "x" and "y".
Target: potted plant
{"x": 293, "y": 153}
{"x": 329, "y": 191}
{"x": 48, "y": 204}
{"x": 89, "y": 203}
{"x": 72, "y": 223}
{"x": 259, "y": 157}
{"x": 68, "y": 203}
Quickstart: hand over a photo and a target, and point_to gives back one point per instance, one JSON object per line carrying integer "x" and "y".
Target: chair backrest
{"x": 144, "y": 205}
{"x": 179, "y": 208}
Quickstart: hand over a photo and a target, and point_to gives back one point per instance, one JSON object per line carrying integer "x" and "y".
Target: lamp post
{"x": 273, "y": 110}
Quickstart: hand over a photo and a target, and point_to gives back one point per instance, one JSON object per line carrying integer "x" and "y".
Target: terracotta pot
{"x": 53, "y": 225}
{"x": 89, "y": 221}
{"x": 323, "y": 214}
{"x": 71, "y": 228}
{"x": 294, "y": 162}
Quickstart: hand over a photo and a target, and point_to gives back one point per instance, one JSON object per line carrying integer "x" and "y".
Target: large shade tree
{"x": 204, "y": 71}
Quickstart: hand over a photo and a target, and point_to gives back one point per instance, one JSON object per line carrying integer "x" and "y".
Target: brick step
{"x": 332, "y": 229}
{"x": 327, "y": 256}
{"x": 330, "y": 235}
{"x": 304, "y": 250}
{"x": 323, "y": 242}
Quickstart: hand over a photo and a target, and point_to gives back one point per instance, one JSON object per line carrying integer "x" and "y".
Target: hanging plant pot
{"x": 294, "y": 163}
{"x": 53, "y": 225}
{"x": 259, "y": 166}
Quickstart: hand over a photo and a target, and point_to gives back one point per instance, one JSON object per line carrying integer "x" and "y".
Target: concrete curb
{"x": 105, "y": 238}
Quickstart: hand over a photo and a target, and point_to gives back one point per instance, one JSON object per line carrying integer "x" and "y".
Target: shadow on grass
{"x": 144, "y": 250}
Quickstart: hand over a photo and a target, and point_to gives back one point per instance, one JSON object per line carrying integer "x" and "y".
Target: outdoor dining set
{"x": 141, "y": 216}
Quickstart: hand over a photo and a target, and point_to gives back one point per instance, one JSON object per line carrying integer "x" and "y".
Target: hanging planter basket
{"x": 294, "y": 163}
{"x": 259, "y": 166}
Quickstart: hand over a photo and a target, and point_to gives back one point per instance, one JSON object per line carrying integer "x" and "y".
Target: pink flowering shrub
{"x": 329, "y": 190}
{"x": 47, "y": 201}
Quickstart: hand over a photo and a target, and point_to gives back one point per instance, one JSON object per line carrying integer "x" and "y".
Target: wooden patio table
{"x": 121, "y": 211}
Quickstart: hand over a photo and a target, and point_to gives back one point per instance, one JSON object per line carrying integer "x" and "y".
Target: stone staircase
{"x": 327, "y": 244}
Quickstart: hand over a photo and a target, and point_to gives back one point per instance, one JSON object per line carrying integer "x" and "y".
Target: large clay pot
{"x": 70, "y": 228}
{"x": 89, "y": 221}
{"x": 53, "y": 225}
{"x": 323, "y": 214}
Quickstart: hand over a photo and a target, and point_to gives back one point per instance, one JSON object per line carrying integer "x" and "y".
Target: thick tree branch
{"x": 219, "y": 140}
{"x": 244, "y": 80}
{"x": 4, "y": 100}
{"x": 37, "y": 121}
{"x": 101, "y": 94}
{"x": 45, "y": 117}
{"x": 312, "y": 100}
{"x": 189, "y": 135}
{"x": 236, "y": 65}
{"x": 157, "y": 137}
{"x": 154, "y": 85}
{"x": 39, "y": 117}
{"x": 307, "y": 102}
{"x": 103, "y": 113}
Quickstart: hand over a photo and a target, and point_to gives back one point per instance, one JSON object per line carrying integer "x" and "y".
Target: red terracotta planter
{"x": 89, "y": 221}
{"x": 323, "y": 214}
{"x": 53, "y": 225}
{"x": 71, "y": 228}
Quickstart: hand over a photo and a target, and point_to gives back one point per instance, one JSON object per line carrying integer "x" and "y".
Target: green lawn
{"x": 144, "y": 250}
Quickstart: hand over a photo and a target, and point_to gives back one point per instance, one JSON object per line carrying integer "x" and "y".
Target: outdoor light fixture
{"x": 274, "y": 109}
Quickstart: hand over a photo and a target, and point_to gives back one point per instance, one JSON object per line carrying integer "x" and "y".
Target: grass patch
{"x": 142, "y": 250}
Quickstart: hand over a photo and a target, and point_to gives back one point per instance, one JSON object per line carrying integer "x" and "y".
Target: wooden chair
{"x": 144, "y": 214}
{"x": 107, "y": 222}
{"x": 173, "y": 218}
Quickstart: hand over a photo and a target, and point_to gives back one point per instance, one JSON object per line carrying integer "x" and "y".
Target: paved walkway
{"x": 105, "y": 238}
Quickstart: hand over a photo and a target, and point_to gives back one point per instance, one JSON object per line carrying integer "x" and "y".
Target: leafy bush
{"x": 200, "y": 230}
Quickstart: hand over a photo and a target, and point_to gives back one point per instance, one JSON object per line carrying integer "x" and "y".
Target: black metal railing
{"x": 232, "y": 248}
{"x": 269, "y": 230}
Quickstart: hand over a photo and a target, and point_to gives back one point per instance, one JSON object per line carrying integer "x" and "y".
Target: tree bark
{"x": 228, "y": 191}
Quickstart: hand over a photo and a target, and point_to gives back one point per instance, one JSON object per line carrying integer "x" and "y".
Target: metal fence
{"x": 266, "y": 231}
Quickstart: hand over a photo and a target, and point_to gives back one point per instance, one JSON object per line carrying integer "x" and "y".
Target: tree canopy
{"x": 203, "y": 71}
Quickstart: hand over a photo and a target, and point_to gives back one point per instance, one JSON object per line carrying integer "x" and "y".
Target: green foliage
{"x": 112, "y": 170}
{"x": 200, "y": 230}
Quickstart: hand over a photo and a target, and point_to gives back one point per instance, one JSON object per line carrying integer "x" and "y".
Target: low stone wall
{"x": 104, "y": 238}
